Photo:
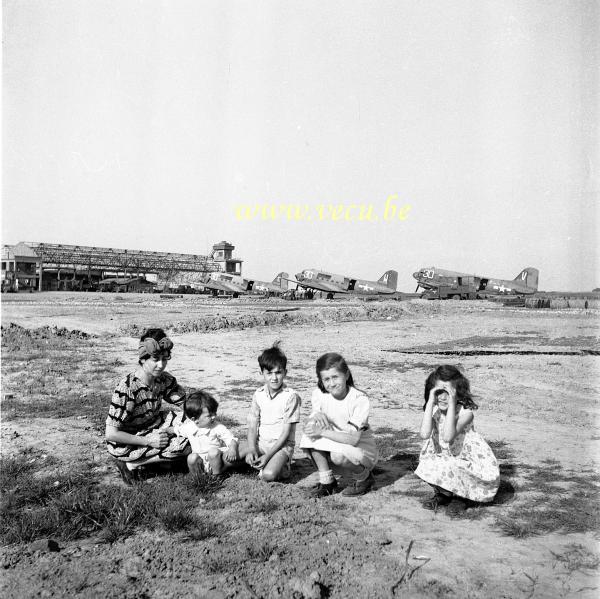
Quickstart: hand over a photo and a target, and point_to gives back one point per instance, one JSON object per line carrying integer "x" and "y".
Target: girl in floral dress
{"x": 455, "y": 460}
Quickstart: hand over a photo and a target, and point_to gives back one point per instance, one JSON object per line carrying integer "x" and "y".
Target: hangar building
{"x": 53, "y": 267}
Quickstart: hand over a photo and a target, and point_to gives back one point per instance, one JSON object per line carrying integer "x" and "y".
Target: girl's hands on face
{"x": 451, "y": 392}
{"x": 432, "y": 396}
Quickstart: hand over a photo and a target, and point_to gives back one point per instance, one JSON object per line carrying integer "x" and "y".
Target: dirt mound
{"x": 15, "y": 337}
{"x": 312, "y": 316}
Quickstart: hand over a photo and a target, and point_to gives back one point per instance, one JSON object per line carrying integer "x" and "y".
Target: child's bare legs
{"x": 195, "y": 464}
{"x": 217, "y": 464}
{"x": 339, "y": 460}
{"x": 243, "y": 450}
{"x": 320, "y": 459}
{"x": 327, "y": 483}
{"x": 274, "y": 468}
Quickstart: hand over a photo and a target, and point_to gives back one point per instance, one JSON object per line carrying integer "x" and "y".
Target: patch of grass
{"x": 238, "y": 394}
{"x": 551, "y": 500}
{"x": 66, "y": 374}
{"x": 240, "y": 389}
{"x": 398, "y": 366}
{"x": 577, "y": 558}
{"x": 527, "y": 524}
{"x": 436, "y": 588}
{"x": 543, "y": 498}
{"x": 246, "y": 383}
{"x": 20, "y": 466}
{"x": 393, "y": 442}
{"x": 501, "y": 450}
{"x": 72, "y": 505}
{"x": 419, "y": 491}
{"x": 263, "y": 505}
{"x": 176, "y": 516}
{"x": 261, "y": 551}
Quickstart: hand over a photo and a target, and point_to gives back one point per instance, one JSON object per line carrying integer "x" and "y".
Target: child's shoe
{"x": 128, "y": 476}
{"x": 323, "y": 490}
{"x": 359, "y": 487}
{"x": 437, "y": 501}
{"x": 456, "y": 506}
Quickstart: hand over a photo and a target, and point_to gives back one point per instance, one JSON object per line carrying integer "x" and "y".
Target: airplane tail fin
{"x": 281, "y": 280}
{"x": 529, "y": 276}
{"x": 389, "y": 279}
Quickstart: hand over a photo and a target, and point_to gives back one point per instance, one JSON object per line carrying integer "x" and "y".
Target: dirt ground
{"x": 538, "y": 410}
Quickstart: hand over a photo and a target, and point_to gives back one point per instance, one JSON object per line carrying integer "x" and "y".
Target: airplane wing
{"x": 220, "y": 286}
{"x": 321, "y": 286}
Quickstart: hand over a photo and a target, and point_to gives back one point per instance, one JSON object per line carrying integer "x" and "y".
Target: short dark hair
{"x": 196, "y": 401}
{"x": 271, "y": 358}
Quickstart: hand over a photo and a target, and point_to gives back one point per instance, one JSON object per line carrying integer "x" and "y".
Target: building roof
{"x": 20, "y": 250}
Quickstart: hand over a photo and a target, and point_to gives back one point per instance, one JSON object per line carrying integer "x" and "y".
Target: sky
{"x": 286, "y": 128}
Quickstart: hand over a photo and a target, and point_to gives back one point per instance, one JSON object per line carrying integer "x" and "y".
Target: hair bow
{"x": 152, "y": 347}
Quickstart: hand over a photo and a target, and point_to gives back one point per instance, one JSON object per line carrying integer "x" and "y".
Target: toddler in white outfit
{"x": 214, "y": 448}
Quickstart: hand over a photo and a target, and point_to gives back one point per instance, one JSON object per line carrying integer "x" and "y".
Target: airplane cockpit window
{"x": 323, "y": 276}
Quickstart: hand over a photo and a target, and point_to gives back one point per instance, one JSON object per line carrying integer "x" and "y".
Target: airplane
{"x": 236, "y": 284}
{"x": 312, "y": 278}
{"x": 449, "y": 283}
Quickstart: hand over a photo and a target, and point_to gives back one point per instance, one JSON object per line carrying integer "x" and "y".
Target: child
{"x": 214, "y": 448}
{"x": 338, "y": 429}
{"x": 455, "y": 460}
{"x": 274, "y": 413}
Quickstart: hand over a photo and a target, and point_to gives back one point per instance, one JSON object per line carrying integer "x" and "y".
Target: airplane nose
{"x": 299, "y": 275}
{"x": 416, "y": 275}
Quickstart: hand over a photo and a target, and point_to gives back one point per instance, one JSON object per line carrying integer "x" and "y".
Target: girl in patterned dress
{"x": 455, "y": 460}
{"x": 138, "y": 432}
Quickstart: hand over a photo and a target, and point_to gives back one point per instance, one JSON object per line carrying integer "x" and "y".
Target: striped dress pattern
{"x": 136, "y": 409}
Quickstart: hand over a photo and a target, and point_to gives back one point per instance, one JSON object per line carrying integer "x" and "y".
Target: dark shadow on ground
{"x": 398, "y": 457}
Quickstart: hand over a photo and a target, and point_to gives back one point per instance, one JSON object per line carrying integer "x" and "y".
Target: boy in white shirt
{"x": 274, "y": 414}
{"x": 214, "y": 448}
